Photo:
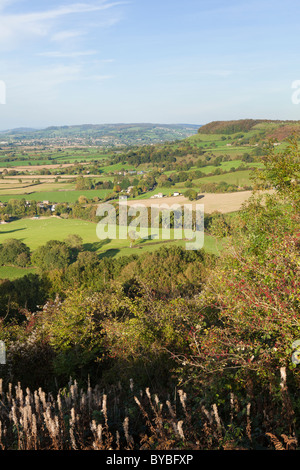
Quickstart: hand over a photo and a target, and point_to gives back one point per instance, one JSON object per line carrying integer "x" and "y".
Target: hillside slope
{"x": 105, "y": 134}
{"x": 267, "y": 128}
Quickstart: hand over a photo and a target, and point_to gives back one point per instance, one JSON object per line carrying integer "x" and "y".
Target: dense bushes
{"x": 14, "y": 253}
{"x": 244, "y": 338}
{"x": 93, "y": 304}
{"x": 21, "y": 295}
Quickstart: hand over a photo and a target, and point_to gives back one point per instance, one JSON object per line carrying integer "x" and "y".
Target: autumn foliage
{"x": 220, "y": 329}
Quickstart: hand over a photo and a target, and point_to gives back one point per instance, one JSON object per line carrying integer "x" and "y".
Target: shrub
{"x": 14, "y": 252}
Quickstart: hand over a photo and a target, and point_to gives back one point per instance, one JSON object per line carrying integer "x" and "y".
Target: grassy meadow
{"x": 37, "y": 232}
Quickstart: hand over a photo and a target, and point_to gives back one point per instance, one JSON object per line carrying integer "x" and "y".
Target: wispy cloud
{"x": 19, "y": 26}
{"x": 51, "y": 50}
{"x": 42, "y": 84}
{"x": 5, "y": 3}
{"x": 63, "y": 55}
{"x": 217, "y": 73}
{"x": 66, "y": 10}
{"x": 63, "y": 36}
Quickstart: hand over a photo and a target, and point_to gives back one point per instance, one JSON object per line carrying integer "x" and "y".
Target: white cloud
{"x": 45, "y": 78}
{"x": 5, "y": 3}
{"x": 43, "y": 83}
{"x": 65, "y": 10}
{"x": 62, "y": 36}
{"x": 17, "y": 27}
{"x": 52, "y": 59}
{"x": 74, "y": 54}
{"x": 217, "y": 73}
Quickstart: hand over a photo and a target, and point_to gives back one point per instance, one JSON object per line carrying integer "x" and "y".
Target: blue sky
{"x": 170, "y": 61}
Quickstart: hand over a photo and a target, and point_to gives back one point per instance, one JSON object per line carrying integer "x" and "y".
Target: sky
{"x": 64, "y": 62}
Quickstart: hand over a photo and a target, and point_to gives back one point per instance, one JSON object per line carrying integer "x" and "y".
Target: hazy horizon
{"x": 104, "y": 124}
{"x": 101, "y": 61}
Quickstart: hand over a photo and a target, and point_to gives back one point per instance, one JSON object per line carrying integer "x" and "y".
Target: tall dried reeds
{"x": 75, "y": 419}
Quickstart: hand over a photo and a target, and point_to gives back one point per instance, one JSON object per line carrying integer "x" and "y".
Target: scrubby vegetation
{"x": 172, "y": 349}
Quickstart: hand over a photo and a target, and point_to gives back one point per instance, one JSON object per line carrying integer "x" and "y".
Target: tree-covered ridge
{"x": 229, "y": 127}
{"x": 245, "y": 125}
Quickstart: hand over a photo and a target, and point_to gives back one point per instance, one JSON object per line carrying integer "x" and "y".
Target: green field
{"x": 58, "y": 196}
{"x": 227, "y": 166}
{"x": 21, "y": 163}
{"x": 35, "y": 233}
{"x": 38, "y": 231}
{"x": 239, "y": 178}
{"x": 55, "y": 156}
{"x": 12, "y": 272}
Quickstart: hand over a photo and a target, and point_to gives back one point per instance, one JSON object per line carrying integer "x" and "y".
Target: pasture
{"x": 37, "y": 232}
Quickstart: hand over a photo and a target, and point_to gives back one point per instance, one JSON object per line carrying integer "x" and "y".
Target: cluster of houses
{"x": 130, "y": 172}
{"x": 155, "y": 196}
{"x": 45, "y": 205}
{"x": 160, "y": 195}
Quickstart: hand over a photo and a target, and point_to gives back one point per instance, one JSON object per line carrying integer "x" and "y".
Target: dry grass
{"x": 75, "y": 419}
{"x": 221, "y": 202}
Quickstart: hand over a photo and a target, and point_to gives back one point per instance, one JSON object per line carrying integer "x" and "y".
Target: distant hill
{"x": 107, "y": 134}
{"x": 268, "y": 128}
{"x": 18, "y": 130}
